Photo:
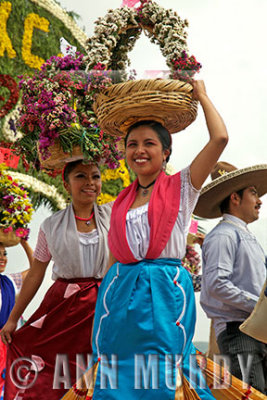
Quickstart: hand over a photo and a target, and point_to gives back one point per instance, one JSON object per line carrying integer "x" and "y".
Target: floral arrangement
{"x": 57, "y": 105}
{"x": 15, "y": 208}
{"x": 185, "y": 67}
{"x": 191, "y": 260}
{"x": 117, "y": 32}
{"x": 28, "y": 36}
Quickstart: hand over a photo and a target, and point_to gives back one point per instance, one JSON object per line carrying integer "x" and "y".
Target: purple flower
{"x": 8, "y": 199}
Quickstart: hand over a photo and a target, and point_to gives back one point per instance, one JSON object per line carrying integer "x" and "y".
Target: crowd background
{"x": 228, "y": 38}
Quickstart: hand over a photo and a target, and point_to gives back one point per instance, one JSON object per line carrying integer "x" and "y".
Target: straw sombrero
{"x": 227, "y": 179}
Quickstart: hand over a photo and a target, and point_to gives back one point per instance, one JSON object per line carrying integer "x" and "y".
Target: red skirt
{"x": 42, "y": 358}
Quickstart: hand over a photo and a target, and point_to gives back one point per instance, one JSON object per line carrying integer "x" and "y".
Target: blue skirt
{"x": 144, "y": 324}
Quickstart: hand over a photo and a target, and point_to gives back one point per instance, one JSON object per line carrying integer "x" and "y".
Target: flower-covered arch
{"x": 116, "y": 34}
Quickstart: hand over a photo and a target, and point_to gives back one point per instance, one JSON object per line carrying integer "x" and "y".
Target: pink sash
{"x": 162, "y": 213}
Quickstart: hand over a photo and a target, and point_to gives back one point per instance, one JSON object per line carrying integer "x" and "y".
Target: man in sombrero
{"x": 234, "y": 268}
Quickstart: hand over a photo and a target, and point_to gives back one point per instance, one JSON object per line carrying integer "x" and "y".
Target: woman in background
{"x": 57, "y": 333}
{"x": 9, "y": 286}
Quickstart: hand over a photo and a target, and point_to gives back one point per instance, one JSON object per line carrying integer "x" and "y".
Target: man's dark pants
{"x": 232, "y": 342}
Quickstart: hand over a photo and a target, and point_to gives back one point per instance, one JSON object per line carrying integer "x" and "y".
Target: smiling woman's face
{"x": 144, "y": 151}
{"x": 84, "y": 183}
{"x": 3, "y": 258}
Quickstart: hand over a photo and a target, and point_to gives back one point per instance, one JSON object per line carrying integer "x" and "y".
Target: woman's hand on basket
{"x": 199, "y": 89}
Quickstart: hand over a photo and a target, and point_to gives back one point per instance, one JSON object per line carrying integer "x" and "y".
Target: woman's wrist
{"x": 203, "y": 98}
{"x": 13, "y": 318}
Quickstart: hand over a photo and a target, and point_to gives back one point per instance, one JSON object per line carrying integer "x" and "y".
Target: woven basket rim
{"x": 167, "y": 101}
{"x": 58, "y": 157}
{"x": 151, "y": 84}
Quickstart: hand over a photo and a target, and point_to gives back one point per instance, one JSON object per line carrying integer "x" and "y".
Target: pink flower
{"x": 21, "y": 232}
{"x": 8, "y": 229}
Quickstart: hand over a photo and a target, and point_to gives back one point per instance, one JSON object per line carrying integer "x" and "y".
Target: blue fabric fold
{"x": 8, "y": 298}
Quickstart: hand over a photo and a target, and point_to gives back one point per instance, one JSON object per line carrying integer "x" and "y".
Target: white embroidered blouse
{"x": 138, "y": 230}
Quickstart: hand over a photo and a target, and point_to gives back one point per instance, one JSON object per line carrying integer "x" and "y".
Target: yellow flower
{"x": 32, "y": 21}
{"x": 104, "y": 198}
{"x": 5, "y": 42}
{"x": 27, "y": 218}
{"x": 121, "y": 172}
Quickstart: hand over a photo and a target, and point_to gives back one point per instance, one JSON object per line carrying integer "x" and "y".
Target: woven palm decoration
{"x": 231, "y": 388}
{"x": 84, "y": 388}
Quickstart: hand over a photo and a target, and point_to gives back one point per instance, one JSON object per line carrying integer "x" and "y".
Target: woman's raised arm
{"x": 203, "y": 163}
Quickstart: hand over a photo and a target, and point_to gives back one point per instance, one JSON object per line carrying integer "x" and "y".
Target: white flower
{"x": 110, "y": 31}
{"x": 38, "y": 186}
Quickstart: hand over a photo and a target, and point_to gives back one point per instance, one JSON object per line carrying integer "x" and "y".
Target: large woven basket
{"x": 8, "y": 239}
{"x": 164, "y": 100}
{"x": 58, "y": 158}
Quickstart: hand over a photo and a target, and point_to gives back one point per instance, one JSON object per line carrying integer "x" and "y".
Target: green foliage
{"x": 113, "y": 187}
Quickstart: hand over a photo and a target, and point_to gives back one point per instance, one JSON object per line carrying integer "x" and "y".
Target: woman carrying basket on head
{"x": 76, "y": 240}
{"x": 145, "y": 314}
